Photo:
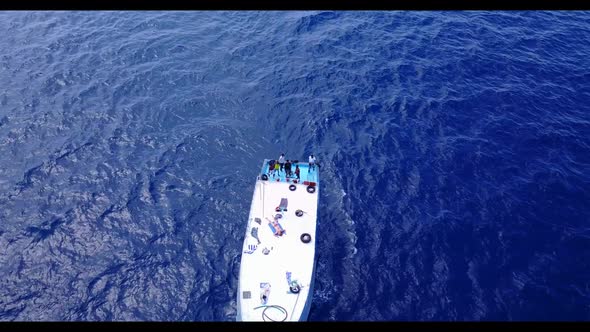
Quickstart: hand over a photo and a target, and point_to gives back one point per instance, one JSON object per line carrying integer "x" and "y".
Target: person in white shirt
{"x": 282, "y": 161}
{"x": 312, "y": 162}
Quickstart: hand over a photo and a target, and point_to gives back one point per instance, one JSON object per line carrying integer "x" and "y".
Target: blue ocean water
{"x": 455, "y": 153}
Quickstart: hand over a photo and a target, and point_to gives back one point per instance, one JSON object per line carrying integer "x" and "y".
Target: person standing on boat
{"x": 312, "y": 162}
{"x": 277, "y": 170}
{"x": 282, "y": 161}
{"x": 297, "y": 172}
{"x": 288, "y": 168}
{"x": 271, "y": 168}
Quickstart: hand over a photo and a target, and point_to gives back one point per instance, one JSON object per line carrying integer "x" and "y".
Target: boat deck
{"x": 305, "y": 175}
{"x": 270, "y": 263}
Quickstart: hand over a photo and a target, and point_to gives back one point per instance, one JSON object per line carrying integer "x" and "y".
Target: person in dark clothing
{"x": 288, "y": 168}
{"x": 297, "y": 172}
{"x": 271, "y": 167}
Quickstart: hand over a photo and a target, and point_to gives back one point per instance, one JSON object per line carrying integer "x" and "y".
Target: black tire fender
{"x": 294, "y": 288}
{"x": 305, "y": 238}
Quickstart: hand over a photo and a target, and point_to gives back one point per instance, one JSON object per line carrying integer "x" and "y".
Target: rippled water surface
{"x": 455, "y": 152}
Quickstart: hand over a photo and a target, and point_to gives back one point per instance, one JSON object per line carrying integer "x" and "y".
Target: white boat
{"x": 278, "y": 257}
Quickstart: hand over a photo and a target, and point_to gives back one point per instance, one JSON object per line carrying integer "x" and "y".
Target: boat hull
{"x": 277, "y": 266}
